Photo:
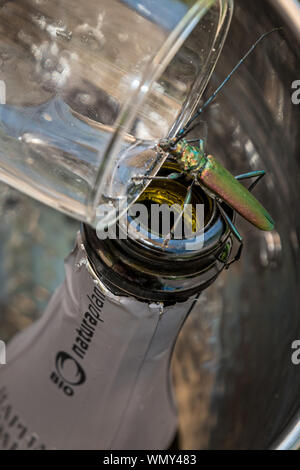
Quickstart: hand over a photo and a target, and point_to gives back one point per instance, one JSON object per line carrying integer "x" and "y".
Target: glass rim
{"x": 155, "y": 69}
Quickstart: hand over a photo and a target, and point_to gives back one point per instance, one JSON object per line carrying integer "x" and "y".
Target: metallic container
{"x": 235, "y": 382}
{"x": 237, "y": 386}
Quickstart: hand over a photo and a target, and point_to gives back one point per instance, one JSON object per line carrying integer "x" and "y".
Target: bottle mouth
{"x": 166, "y": 226}
{"x": 146, "y": 269}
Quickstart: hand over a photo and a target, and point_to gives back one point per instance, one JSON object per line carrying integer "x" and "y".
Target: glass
{"x": 88, "y": 88}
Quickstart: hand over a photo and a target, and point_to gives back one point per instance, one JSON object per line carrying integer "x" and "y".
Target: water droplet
{"x": 157, "y": 305}
{"x": 123, "y": 37}
{"x": 67, "y": 35}
{"x": 47, "y": 117}
{"x": 48, "y": 64}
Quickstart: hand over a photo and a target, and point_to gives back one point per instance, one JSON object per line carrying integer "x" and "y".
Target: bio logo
{"x": 68, "y": 373}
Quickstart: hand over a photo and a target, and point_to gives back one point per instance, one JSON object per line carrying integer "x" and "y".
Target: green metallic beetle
{"x": 214, "y": 179}
{"x": 220, "y": 185}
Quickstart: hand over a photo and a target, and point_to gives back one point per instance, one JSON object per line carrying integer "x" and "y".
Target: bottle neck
{"x": 137, "y": 268}
{"x": 142, "y": 265}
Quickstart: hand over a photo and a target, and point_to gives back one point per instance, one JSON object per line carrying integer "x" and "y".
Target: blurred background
{"x": 234, "y": 381}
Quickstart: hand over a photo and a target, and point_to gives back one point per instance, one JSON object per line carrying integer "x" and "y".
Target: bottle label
{"x": 93, "y": 372}
{"x": 14, "y": 432}
{"x": 69, "y": 372}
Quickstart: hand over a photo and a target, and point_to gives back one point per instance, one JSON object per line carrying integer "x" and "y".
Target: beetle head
{"x": 168, "y": 145}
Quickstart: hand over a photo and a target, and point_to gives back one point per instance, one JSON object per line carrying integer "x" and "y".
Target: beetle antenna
{"x": 182, "y": 133}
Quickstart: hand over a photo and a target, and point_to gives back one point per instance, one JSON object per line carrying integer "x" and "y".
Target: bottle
{"x": 93, "y": 372}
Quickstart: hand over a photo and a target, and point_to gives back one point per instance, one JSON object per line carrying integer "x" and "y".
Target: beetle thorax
{"x": 188, "y": 157}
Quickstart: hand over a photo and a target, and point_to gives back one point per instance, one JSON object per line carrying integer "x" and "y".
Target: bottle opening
{"x": 184, "y": 220}
{"x": 137, "y": 261}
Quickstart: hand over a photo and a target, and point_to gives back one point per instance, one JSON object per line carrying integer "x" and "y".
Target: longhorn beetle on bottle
{"x": 205, "y": 170}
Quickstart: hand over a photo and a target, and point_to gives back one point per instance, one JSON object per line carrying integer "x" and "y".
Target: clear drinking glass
{"x": 87, "y": 88}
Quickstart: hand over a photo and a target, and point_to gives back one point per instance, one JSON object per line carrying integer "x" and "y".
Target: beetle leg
{"x": 235, "y": 233}
{"x": 172, "y": 157}
{"x": 187, "y": 200}
{"x": 171, "y": 176}
{"x": 110, "y": 198}
{"x": 201, "y": 146}
{"x": 231, "y": 225}
{"x": 237, "y": 256}
{"x": 251, "y": 187}
{"x": 252, "y": 174}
